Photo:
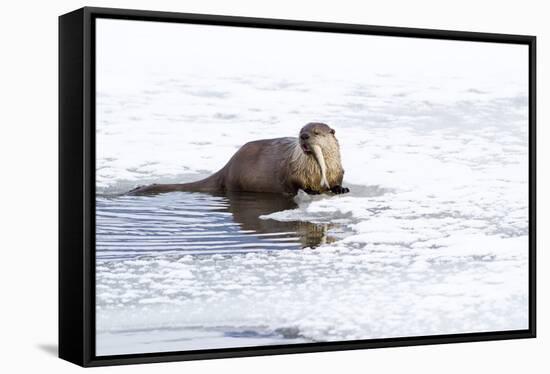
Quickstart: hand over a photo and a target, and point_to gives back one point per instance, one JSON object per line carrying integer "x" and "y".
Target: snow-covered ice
{"x": 432, "y": 239}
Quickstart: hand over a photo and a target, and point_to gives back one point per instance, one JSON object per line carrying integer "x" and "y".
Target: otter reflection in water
{"x": 247, "y": 207}
{"x": 310, "y": 163}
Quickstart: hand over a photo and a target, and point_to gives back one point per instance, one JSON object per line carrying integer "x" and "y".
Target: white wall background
{"x": 28, "y": 191}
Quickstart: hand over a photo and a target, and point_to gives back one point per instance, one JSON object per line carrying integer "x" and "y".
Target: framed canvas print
{"x": 236, "y": 186}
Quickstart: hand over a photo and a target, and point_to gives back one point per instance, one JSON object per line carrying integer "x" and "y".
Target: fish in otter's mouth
{"x": 318, "y": 154}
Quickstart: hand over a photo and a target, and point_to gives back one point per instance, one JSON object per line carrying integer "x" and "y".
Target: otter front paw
{"x": 339, "y": 190}
{"x": 311, "y": 192}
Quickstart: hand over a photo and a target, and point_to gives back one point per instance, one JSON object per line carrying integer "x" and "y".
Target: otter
{"x": 310, "y": 163}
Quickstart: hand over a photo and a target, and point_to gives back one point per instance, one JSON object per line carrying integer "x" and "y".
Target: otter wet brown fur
{"x": 310, "y": 162}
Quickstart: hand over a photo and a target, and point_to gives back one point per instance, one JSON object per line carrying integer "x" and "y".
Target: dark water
{"x": 198, "y": 223}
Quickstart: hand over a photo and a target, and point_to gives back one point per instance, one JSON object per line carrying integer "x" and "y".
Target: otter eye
{"x": 316, "y": 132}
{"x": 332, "y": 131}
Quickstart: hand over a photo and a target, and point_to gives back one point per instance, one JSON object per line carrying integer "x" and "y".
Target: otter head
{"x": 316, "y": 133}
{"x": 318, "y": 140}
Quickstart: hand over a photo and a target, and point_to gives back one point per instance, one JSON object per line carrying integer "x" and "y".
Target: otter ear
{"x": 332, "y": 131}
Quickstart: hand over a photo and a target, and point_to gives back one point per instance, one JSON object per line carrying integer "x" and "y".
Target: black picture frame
{"x": 77, "y": 188}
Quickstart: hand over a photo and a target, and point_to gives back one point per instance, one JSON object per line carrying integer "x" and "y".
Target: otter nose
{"x": 304, "y": 136}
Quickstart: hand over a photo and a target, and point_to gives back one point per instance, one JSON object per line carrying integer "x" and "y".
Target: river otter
{"x": 282, "y": 165}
